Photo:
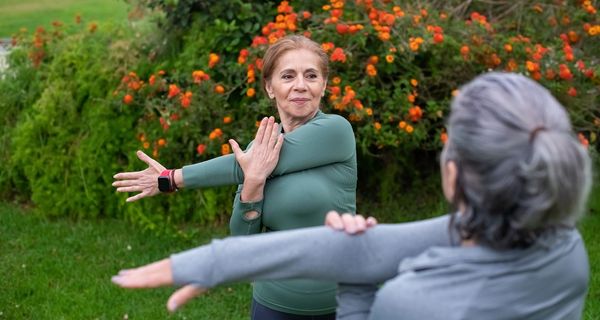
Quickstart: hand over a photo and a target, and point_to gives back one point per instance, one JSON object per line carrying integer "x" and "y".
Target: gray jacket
{"x": 546, "y": 281}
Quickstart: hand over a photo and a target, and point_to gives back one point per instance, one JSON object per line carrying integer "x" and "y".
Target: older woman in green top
{"x": 289, "y": 177}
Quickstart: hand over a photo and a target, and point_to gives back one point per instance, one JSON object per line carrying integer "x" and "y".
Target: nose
{"x": 300, "y": 84}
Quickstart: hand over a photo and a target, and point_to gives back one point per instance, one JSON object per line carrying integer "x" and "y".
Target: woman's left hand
{"x": 351, "y": 224}
{"x": 154, "y": 275}
{"x": 258, "y": 162}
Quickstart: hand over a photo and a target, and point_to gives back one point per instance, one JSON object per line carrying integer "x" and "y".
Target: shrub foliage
{"x": 185, "y": 77}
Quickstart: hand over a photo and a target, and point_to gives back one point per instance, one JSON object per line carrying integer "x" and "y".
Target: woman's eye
{"x": 311, "y": 76}
{"x": 287, "y": 76}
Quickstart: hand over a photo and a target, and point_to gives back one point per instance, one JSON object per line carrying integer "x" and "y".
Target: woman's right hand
{"x": 260, "y": 161}
{"x": 145, "y": 181}
{"x": 352, "y": 224}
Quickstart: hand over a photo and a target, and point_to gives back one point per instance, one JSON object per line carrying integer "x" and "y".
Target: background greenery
{"x": 66, "y": 128}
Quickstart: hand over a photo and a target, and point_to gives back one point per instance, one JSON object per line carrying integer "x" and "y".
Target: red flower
{"x": 338, "y": 55}
{"x": 201, "y": 148}
{"x": 127, "y": 99}
{"x": 173, "y": 91}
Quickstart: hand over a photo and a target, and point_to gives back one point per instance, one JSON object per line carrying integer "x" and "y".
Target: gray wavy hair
{"x": 521, "y": 168}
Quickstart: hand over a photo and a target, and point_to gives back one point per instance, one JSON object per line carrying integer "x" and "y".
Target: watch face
{"x": 164, "y": 185}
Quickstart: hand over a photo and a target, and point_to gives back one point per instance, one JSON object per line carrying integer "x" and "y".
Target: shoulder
{"x": 333, "y": 122}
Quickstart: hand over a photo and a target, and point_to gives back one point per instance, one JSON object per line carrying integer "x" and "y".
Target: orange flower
{"x": 227, "y": 120}
{"x": 438, "y": 38}
{"x": 199, "y": 76}
{"x": 373, "y": 60}
{"x": 161, "y": 142}
{"x": 338, "y": 55}
{"x": 251, "y": 92}
{"x": 213, "y": 59}
{"x": 201, "y": 148}
{"x": 414, "y": 43}
{"x": 584, "y": 141}
{"x": 92, "y": 27}
{"x": 186, "y": 99}
{"x": 444, "y": 137}
{"x": 401, "y": 124}
{"x": 146, "y": 145}
{"x": 389, "y": 58}
{"x": 219, "y": 89}
{"x": 225, "y": 149}
{"x": 127, "y": 99}
{"x": 532, "y": 66}
{"x": 572, "y": 92}
{"x": 173, "y": 91}
{"x": 341, "y": 28}
{"x": 464, "y": 51}
{"x": 411, "y": 98}
{"x": 215, "y": 134}
{"x": 409, "y": 129}
{"x": 565, "y": 72}
{"x": 336, "y": 80}
{"x": 369, "y": 111}
{"x": 415, "y": 113}
{"x": 508, "y": 47}
{"x": 152, "y": 80}
{"x": 371, "y": 70}
{"x": 414, "y": 83}
{"x": 377, "y": 126}
{"x": 306, "y": 15}
{"x": 327, "y": 46}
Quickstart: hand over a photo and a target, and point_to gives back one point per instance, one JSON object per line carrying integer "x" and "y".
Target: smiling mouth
{"x": 300, "y": 101}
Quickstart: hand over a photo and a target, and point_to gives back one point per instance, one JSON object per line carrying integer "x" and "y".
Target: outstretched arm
{"x": 317, "y": 253}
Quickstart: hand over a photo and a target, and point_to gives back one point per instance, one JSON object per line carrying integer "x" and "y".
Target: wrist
{"x": 166, "y": 181}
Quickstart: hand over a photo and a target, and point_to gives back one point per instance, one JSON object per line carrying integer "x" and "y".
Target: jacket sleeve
{"x": 320, "y": 142}
{"x": 313, "y": 253}
{"x": 239, "y": 225}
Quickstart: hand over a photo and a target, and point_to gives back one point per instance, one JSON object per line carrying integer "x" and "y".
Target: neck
{"x": 291, "y": 124}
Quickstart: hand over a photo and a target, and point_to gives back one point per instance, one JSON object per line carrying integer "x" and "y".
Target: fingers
{"x": 153, "y": 275}
{"x": 371, "y": 222}
{"x": 274, "y": 135}
{"x": 128, "y": 175}
{"x": 237, "y": 151}
{"x": 151, "y": 162}
{"x": 264, "y": 131}
{"x": 261, "y": 131}
{"x": 182, "y": 296}
{"x": 138, "y": 196}
{"x": 351, "y": 224}
{"x": 354, "y": 224}
{"x": 334, "y": 221}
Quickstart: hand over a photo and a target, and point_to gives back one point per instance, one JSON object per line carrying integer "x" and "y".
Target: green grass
{"x": 29, "y": 14}
{"x": 61, "y": 270}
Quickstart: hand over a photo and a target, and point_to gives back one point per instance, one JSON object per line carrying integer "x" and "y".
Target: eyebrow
{"x": 294, "y": 71}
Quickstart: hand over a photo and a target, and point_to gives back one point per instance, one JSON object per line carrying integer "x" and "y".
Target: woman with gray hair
{"x": 518, "y": 177}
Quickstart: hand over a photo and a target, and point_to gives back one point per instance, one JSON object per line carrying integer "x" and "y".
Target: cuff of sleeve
{"x": 251, "y": 206}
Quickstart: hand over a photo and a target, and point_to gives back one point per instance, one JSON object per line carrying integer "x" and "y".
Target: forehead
{"x": 298, "y": 60}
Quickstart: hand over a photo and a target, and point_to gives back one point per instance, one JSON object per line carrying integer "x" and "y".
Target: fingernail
{"x": 116, "y": 280}
{"x": 172, "y": 306}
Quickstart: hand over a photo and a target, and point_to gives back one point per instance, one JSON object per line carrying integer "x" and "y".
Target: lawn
{"x": 61, "y": 269}
{"x": 29, "y": 14}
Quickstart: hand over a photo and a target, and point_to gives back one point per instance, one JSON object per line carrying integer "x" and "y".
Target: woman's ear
{"x": 269, "y": 90}
{"x": 449, "y": 178}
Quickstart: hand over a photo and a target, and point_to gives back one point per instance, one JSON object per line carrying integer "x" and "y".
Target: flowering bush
{"x": 79, "y": 99}
{"x": 393, "y": 71}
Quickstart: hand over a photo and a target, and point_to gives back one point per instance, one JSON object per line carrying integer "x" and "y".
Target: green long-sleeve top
{"x": 316, "y": 173}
